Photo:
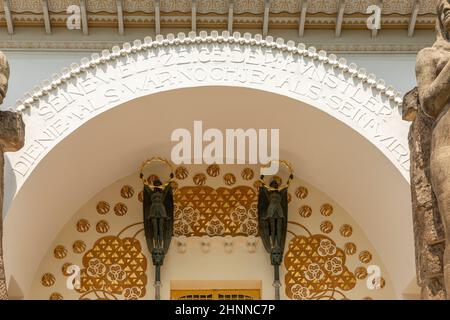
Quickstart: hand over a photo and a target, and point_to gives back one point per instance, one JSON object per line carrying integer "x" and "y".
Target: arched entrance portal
{"x": 343, "y": 134}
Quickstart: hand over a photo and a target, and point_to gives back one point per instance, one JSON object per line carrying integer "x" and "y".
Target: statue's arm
{"x": 434, "y": 92}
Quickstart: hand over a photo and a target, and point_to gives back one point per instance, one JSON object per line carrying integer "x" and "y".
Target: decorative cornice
{"x": 348, "y": 47}
{"x": 401, "y": 7}
{"x": 249, "y": 14}
{"x": 192, "y": 38}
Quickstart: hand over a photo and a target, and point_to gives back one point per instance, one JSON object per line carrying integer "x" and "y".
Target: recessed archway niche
{"x": 328, "y": 256}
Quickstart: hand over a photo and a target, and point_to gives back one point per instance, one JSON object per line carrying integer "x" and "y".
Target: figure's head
{"x": 274, "y": 184}
{"x": 158, "y": 256}
{"x": 443, "y": 14}
{"x": 276, "y": 256}
{"x": 4, "y": 76}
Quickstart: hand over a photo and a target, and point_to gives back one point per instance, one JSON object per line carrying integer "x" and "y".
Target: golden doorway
{"x": 215, "y": 290}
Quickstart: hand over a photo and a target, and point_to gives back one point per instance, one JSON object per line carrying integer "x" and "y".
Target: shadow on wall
{"x": 10, "y": 186}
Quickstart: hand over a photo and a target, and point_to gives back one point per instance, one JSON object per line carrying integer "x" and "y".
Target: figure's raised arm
{"x": 434, "y": 91}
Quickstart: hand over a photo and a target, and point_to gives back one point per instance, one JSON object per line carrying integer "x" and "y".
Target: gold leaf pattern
{"x": 202, "y": 210}
{"x": 114, "y": 266}
{"x": 315, "y": 268}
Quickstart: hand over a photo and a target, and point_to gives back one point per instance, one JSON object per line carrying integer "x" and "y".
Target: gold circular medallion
{"x": 213, "y": 170}
{"x": 199, "y": 179}
{"x": 79, "y": 246}
{"x": 127, "y": 192}
{"x": 120, "y": 209}
{"x": 60, "y": 252}
{"x": 301, "y": 192}
{"x": 83, "y": 225}
{"x": 326, "y": 210}
{"x": 305, "y": 211}
{"x": 326, "y": 226}
{"x": 229, "y": 179}
{"x": 48, "y": 280}
{"x": 247, "y": 174}
{"x": 181, "y": 173}
{"x": 102, "y": 226}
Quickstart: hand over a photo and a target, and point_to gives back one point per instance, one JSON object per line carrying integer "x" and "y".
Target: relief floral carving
{"x": 316, "y": 269}
{"x": 113, "y": 267}
{"x": 95, "y": 268}
{"x": 215, "y": 227}
{"x": 300, "y": 292}
{"x": 202, "y": 210}
{"x": 334, "y": 266}
{"x": 132, "y": 293}
{"x": 116, "y": 273}
{"x": 326, "y": 248}
{"x": 314, "y": 272}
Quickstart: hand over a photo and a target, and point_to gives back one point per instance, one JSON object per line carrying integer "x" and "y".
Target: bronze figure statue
{"x": 158, "y": 210}
{"x": 158, "y": 219}
{"x": 273, "y": 220}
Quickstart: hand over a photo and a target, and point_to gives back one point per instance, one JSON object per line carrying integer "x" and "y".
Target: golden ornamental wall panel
{"x": 327, "y": 255}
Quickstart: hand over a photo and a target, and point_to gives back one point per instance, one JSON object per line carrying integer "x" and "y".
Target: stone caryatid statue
{"x": 428, "y": 106}
{"x": 12, "y": 133}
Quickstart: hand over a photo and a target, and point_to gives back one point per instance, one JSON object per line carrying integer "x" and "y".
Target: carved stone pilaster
{"x": 12, "y": 136}
{"x": 428, "y": 228}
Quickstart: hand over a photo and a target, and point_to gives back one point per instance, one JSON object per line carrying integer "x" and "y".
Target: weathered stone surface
{"x": 430, "y": 160}
{"x": 428, "y": 227}
{"x": 12, "y": 134}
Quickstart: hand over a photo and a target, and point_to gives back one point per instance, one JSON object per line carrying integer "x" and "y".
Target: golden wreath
{"x": 148, "y": 162}
{"x": 291, "y": 175}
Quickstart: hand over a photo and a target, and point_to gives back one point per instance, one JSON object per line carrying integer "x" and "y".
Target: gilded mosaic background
{"x": 327, "y": 255}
